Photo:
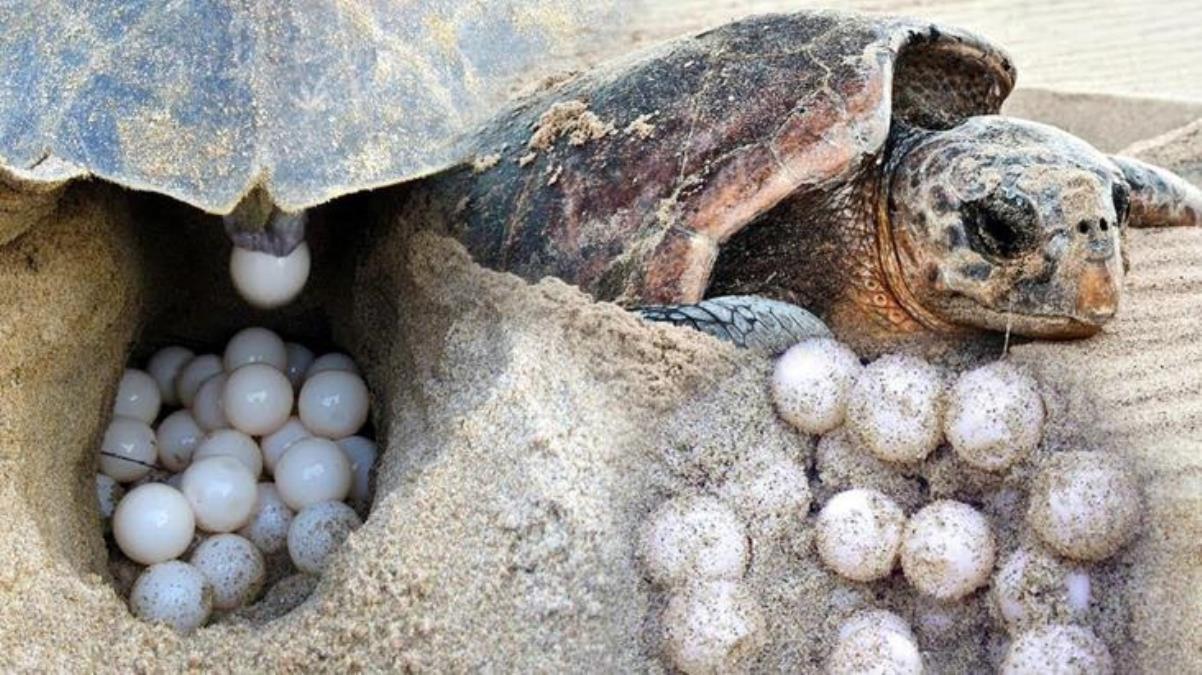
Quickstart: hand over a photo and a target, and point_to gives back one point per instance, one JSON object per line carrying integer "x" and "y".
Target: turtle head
{"x": 1004, "y": 224}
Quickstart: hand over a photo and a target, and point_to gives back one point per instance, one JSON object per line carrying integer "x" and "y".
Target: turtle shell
{"x": 628, "y": 179}
{"x": 204, "y": 100}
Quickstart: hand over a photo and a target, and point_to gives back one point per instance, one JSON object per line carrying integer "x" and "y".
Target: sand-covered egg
{"x": 108, "y": 493}
{"x": 1085, "y": 505}
{"x": 177, "y": 438}
{"x": 994, "y": 416}
{"x": 221, "y": 491}
{"x": 258, "y": 399}
{"x": 127, "y": 450}
{"x": 895, "y": 408}
{"x": 1033, "y": 587}
{"x": 231, "y": 443}
{"x": 947, "y": 549}
{"x": 712, "y": 626}
{"x": 1057, "y": 650}
{"x": 333, "y": 403}
{"x": 317, "y": 532}
{"x": 194, "y": 374}
{"x": 234, "y": 567}
{"x": 173, "y": 593}
{"x": 164, "y": 366}
{"x": 269, "y": 520}
{"x": 153, "y": 523}
{"x": 811, "y": 382}
{"x": 859, "y": 533}
{"x": 267, "y": 281}
{"x": 313, "y": 470}
{"x": 255, "y": 345}
{"x": 694, "y": 537}
{"x": 138, "y": 396}
{"x": 875, "y": 641}
{"x": 769, "y": 490}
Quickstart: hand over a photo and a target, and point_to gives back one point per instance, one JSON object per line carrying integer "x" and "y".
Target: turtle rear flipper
{"x": 1159, "y": 198}
{"x": 749, "y": 321}
{"x": 27, "y": 196}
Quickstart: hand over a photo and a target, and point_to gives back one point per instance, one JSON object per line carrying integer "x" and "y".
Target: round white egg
{"x": 769, "y": 491}
{"x": 300, "y": 358}
{"x": 255, "y": 345}
{"x": 173, "y": 593}
{"x": 317, "y": 532}
{"x": 332, "y": 361}
{"x": 269, "y": 520}
{"x": 1057, "y": 650}
{"x": 257, "y": 399}
{"x": 693, "y": 538}
{"x": 333, "y": 404}
{"x": 234, "y": 567}
{"x": 361, "y": 453}
{"x": 859, "y": 533}
{"x": 177, "y": 438}
{"x": 153, "y": 523}
{"x": 127, "y": 451}
{"x": 875, "y": 641}
{"x": 313, "y": 470}
{"x": 1085, "y": 505}
{"x": 193, "y": 374}
{"x": 712, "y": 626}
{"x": 138, "y": 396}
{"x": 108, "y": 494}
{"x": 221, "y": 491}
{"x": 164, "y": 367}
{"x": 811, "y": 383}
{"x": 1032, "y": 587}
{"x": 895, "y": 408}
{"x": 947, "y": 550}
{"x": 231, "y": 443}
{"x": 207, "y": 408}
{"x": 276, "y": 443}
{"x": 267, "y": 281}
{"x": 994, "y": 416}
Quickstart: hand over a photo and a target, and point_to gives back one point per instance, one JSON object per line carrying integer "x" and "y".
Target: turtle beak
{"x": 1098, "y": 293}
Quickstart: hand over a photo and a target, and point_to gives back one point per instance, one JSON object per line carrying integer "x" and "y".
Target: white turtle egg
{"x": 164, "y": 366}
{"x": 811, "y": 383}
{"x": 1033, "y": 588}
{"x": 994, "y": 416}
{"x": 859, "y": 533}
{"x": 895, "y": 408}
{"x": 233, "y": 566}
{"x": 1085, "y": 505}
{"x": 333, "y": 404}
{"x": 267, "y": 281}
{"x": 177, "y": 438}
{"x": 276, "y": 443}
{"x": 361, "y": 453}
{"x": 769, "y": 491}
{"x": 313, "y": 470}
{"x": 194, "y": 374}
{"x": 875, "y": 641}
{"x": 173, "y": 593}
{"x": 127, "y": 451}
{"x": 207, "y": 408}
{"x": 1057, "y": 650}
{"x": 947, "y": 550}
{"x": 693, "y": 538}
{"x": 153, "y": 523}
{"x": 255, "y": 345}
{"x": 332, "y": 361}
{"x": 300, "y": 358}
{"x": 221, "y": 491}
{"x": 712, "y": 626}
{"x": 138, "y": 396}
{"x": 257, "y": 399}
{"x": 231, "y": 443}
{"x": 269, "y": 520}
{"x": 108, "y": 493}
{"x": 317, "y": 532}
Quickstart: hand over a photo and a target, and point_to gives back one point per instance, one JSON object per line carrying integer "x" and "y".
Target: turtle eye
{"x": 1121, "y": 195}
{"x": 1000, "y": 228}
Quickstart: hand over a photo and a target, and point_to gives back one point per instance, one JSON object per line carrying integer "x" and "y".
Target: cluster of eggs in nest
{"x": 262, "y": 458}
{"x": 1083, "y": 507}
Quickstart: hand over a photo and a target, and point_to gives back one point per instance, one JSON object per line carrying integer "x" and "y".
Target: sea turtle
{"x": 851, "y": 165}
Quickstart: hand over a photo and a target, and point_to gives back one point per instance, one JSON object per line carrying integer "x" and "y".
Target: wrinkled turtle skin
{"x": 208, "y": 101}
{"x": 853, "y": 166}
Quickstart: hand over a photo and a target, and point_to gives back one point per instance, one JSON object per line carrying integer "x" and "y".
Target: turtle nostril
{"x": 1083, "y": 227}
{"x": 1104, "y": 225}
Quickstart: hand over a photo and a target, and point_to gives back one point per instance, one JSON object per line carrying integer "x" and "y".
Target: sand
{"x": 527, "y": 433}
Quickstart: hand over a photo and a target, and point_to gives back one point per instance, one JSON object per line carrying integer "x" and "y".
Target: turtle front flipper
{"x": 749, "y": 321}
{"x": 1158, "y": 197}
